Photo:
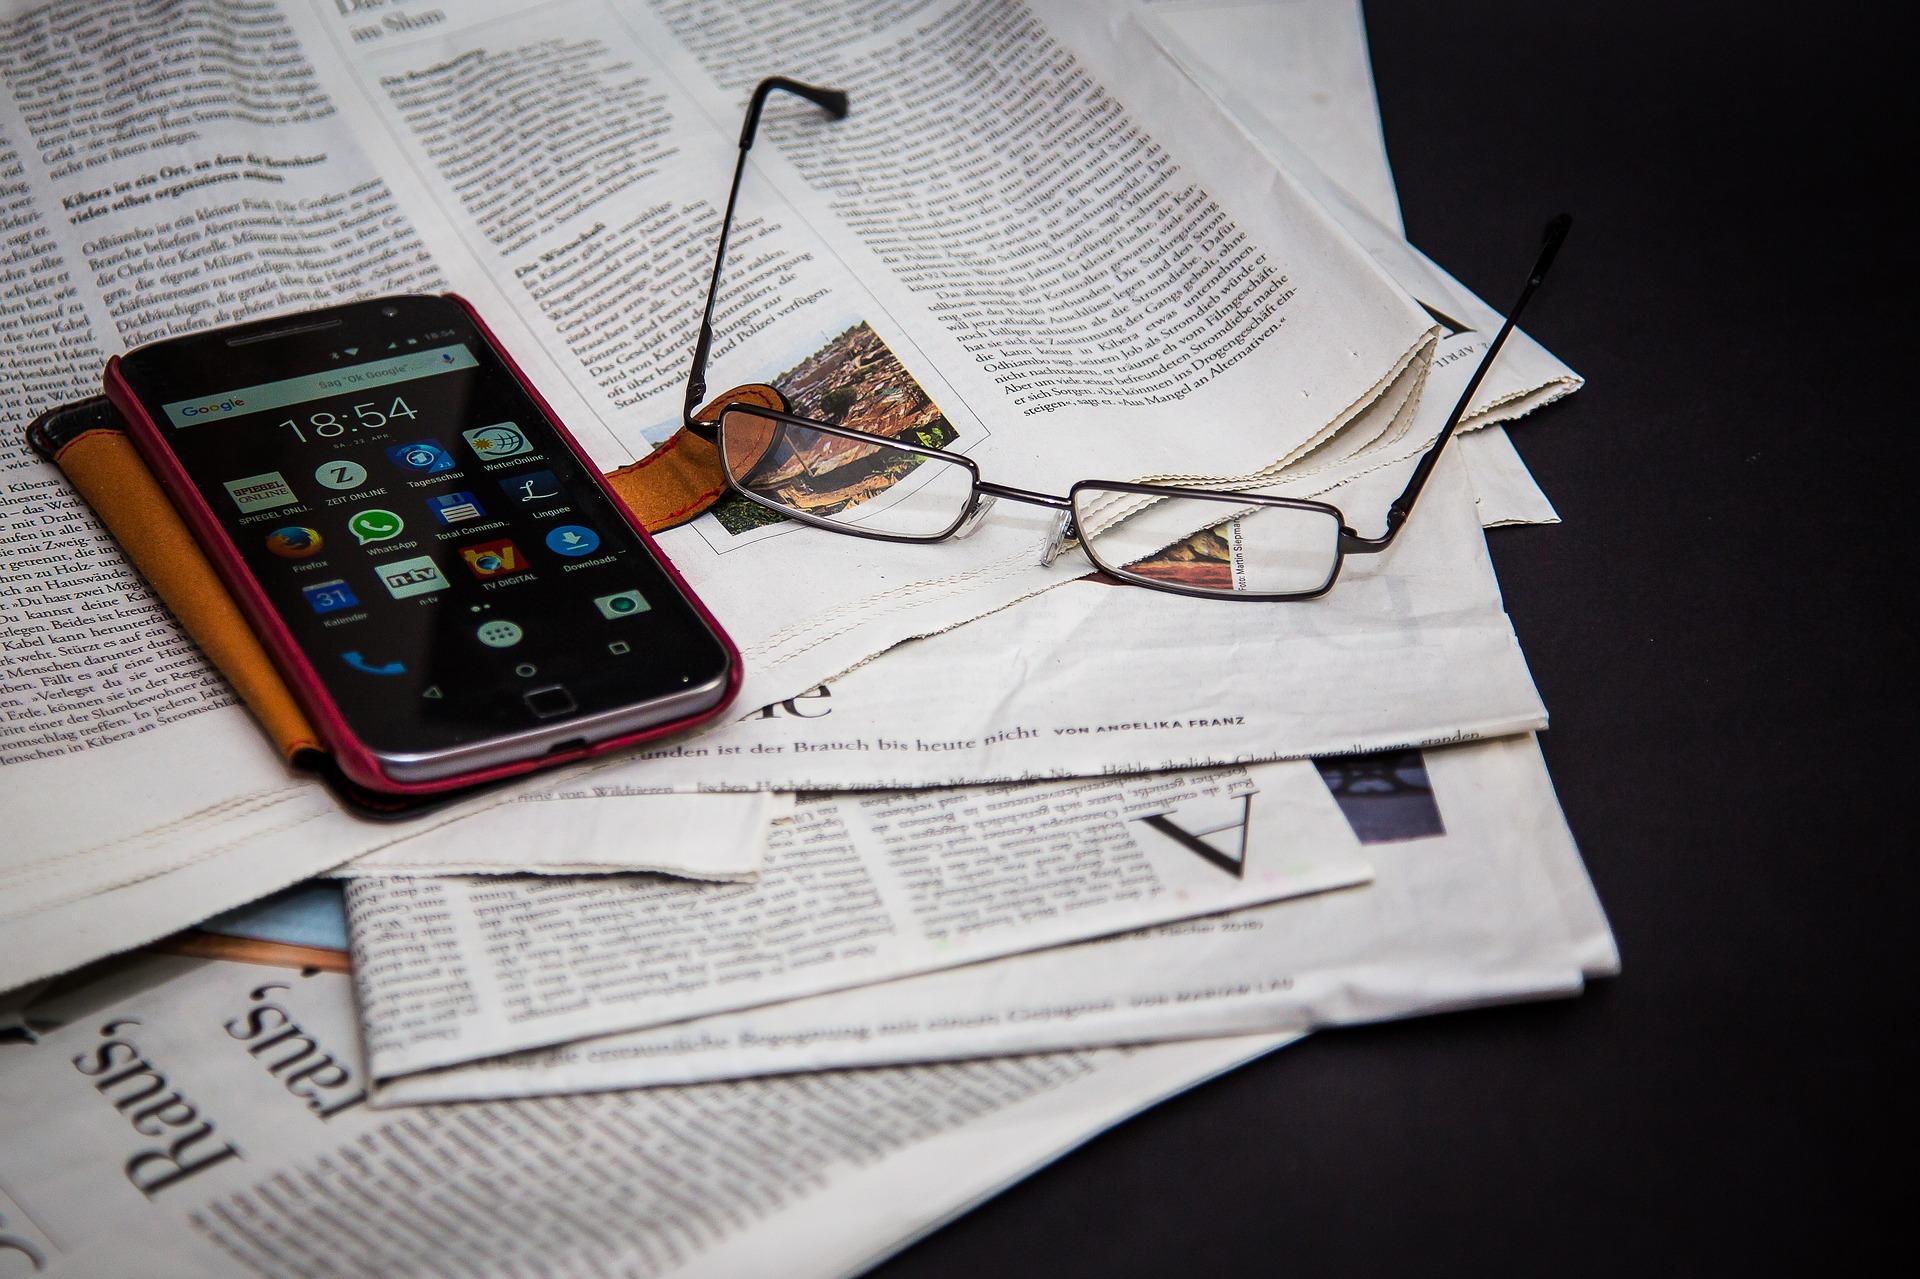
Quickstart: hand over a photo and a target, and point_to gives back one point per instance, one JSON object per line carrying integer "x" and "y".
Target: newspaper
{"x": 206, "y": 1119}
{"x": 593, "y": 829}
{"x": 1297, "y": 75}
{"x": 1411, "y": 648}
{"x": 855, "y": 890}
{"x": 1478, "y": 896}
{"x": 311, "y": 154}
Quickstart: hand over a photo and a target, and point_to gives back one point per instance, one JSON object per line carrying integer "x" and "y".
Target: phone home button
{"x": 550, "y": 701}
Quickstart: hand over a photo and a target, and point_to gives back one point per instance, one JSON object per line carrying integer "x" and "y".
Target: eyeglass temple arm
{"x": 834, "y": 103}
{"x": 1402, "y": 506}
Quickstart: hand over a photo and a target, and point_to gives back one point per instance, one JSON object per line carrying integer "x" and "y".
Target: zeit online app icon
{"x": 422, "y": 455}
{"x": 456, "y": 508}
{"x": 493, "y": 559}
{"x": 341, "y": 475}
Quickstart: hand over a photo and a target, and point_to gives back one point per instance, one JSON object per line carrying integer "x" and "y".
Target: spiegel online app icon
{"x": 456, "y": 508}
{"x": 423, "y": 456}
{"x": 330, "y": 597}
{"x": 503, "y": 439}
{"x": 417, "y": 576}
{"x": 262, "y": 492}
{"x": 573, "y": 540}
{"x": 493, "y": 559}
{"x": 531, "y": 486}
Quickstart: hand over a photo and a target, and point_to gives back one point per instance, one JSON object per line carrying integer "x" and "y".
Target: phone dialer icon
{"x": 353, "y": 658}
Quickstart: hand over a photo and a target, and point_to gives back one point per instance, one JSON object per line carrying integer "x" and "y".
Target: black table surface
{"x": 1719, "y": 633}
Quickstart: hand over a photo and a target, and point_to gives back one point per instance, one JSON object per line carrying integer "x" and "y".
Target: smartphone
{"x": 440, "y": 573}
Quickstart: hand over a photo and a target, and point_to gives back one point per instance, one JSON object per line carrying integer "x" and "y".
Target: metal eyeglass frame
{"x": 834, "y": 103}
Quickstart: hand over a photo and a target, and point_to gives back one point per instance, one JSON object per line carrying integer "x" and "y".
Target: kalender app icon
{"x": 329, "y": 597}
{"x": 493, "y": 559}
{"x": 456, "y": 508}
{"x": 503, "y": 439}
{"x": 295, "y": 542}
{"x": 423, "y": 456}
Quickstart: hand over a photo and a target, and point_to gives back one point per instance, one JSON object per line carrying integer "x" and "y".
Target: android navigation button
{"x": 550, "y": 701}
{"x": 526, "y": 670}
{"x": 433, "y": 691}
{"x": 499, "y": 633}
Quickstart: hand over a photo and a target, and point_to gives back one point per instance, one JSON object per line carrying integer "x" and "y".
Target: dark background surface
{"x": 1718, "y": 632}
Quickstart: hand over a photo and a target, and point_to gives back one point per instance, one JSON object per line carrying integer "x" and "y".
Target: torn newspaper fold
{"x": 856, "y": 889}
{"x": 1478, "y": 896}
{"x": 196, "y": 1119}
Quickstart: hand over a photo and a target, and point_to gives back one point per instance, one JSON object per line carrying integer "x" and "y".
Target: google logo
{"x": 201, "y": 410}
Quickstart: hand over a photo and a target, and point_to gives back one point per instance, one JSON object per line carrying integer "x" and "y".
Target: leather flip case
{"x": 88, "y": 441}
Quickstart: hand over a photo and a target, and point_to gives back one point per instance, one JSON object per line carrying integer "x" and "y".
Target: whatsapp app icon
{"x": 375, "y": 526}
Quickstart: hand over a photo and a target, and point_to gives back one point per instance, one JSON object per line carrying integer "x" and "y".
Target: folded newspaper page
{"x": 1478, "y": 897}
{"x": 855, "y": 889}
{"x": 310, "y": 153}
{"x": 171, "y": 169}
{"x": 1296, "y": 77}
{"x": 196, "y": 1118}
{"x": 1410, "y": 649}
{"x": 593, "y": 829}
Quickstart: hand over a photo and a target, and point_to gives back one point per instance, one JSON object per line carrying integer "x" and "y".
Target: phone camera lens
{"x": 389, "y": 311}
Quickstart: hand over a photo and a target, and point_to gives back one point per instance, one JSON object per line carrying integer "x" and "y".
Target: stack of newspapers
{"x": 996, "y": 852}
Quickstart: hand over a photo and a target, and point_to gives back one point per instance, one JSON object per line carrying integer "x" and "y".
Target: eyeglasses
{"x": 1250, "y": 546}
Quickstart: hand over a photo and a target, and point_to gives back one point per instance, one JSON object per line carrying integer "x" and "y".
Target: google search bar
{"x": 314, "y": 386}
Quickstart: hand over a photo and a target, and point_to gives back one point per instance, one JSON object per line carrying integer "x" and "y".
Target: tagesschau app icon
{"x": 423, "y": 456}
{"x": 573, "y": 540}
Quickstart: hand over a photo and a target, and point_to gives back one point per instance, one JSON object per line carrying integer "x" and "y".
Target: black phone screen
{"x": 441, "y": 556}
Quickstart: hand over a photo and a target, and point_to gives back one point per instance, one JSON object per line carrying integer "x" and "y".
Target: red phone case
{"x": 355, "y": 760}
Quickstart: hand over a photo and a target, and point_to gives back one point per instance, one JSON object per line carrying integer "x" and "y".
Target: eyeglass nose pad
{"x": 1063, "y": 534}
{"x": 972, "y": 522}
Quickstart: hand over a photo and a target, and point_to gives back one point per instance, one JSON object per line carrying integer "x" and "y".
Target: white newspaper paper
{"x": 169, "y": 169}
{"x": 205, "y": 1119}
{"x": 855, "y": 890}
{"x": 590, "y": 829}
{"x": 1478, "y": 897}
{"x": 1411, "y": 648}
